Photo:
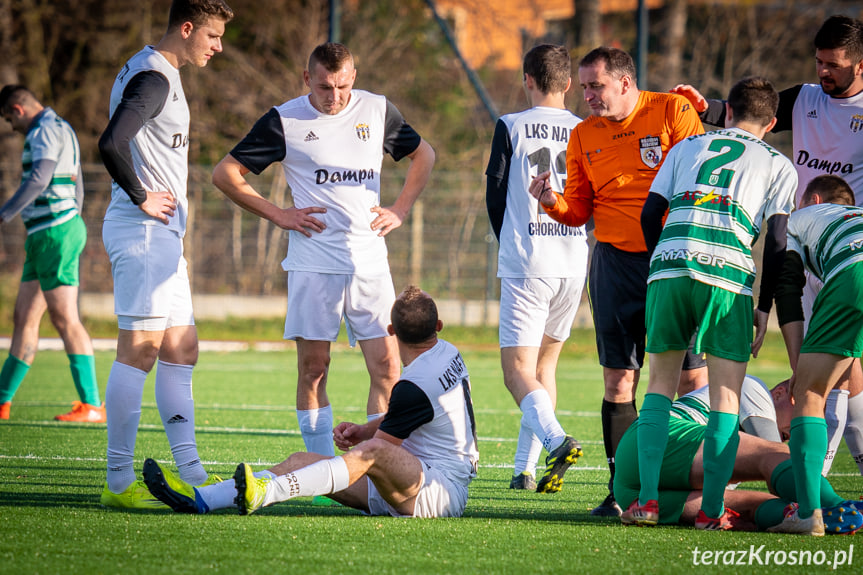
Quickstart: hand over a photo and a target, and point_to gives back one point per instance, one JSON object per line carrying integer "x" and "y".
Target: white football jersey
{"x": 334, "y": 162}
{"x": 50, "y": 137}
{"x": 828, "y": 237}
{"x": 721, "y": 186}
{"x": 755, "y": 401}
{"x": 828, "y": 138}
{"x": 160, "y": 149}
{"x": 532, "y": 244}
{"x": 447, "y": 441}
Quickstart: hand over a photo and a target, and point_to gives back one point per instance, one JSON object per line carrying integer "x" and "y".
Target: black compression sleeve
{"x": 714, "y": 114}
{"x": 787, "y": 98}
{"x": 772, "y": 262}
{"x": 497, "y": 174}
{"x": 143, "y": 99}
{"x": 651, "y": 220}
{"x": 790, "y": 289}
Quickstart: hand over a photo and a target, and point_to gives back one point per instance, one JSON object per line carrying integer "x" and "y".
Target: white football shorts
{"x": 151, "y": 279}
{"x": 317, "y": 302}
{"x": 533, "y": 307}
{"x": 438, "y": 497}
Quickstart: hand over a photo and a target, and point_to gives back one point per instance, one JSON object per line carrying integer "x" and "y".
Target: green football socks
{"x": 808, "y": 446}
{"x": 785, "y": 486}
{"x": 11, "y": 377}
{"x": 720, "y": 450}
{"x": 83, "y": 368}
{"x": 652, "y": 439}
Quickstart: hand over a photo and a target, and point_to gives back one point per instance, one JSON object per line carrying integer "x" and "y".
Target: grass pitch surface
{"x": 51, "y": 475}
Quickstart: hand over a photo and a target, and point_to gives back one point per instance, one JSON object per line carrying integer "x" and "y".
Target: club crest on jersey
{"x": 856, "y": 123}
{"x": 651, "y": 151}
{"x": 363, "y": 132}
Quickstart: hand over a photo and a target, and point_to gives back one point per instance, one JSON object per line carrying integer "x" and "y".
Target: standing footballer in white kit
{"x": 330, "y": 144}
{"x": 145, "y": 149}
{"x": 542, "y": 263}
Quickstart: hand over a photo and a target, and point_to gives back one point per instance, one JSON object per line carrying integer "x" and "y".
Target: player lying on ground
{"x": 682, "y": 476}
{"x": 416, "y": 461}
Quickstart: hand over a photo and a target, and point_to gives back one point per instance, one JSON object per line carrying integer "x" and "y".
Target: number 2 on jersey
{"x": 711, "y": 172}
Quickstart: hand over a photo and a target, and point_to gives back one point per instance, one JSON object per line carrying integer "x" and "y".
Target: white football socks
{"x": 123, "y": 393}
{"x": 537, "y": 409}
{"x": 177, "y": 410}
{"x": 320, "y": 478}
{"x": 854, "y": 429}
{"x": 316, "y": 425}
{"x": 222, "y": 495}
{"x": 835, "y": 414}
{"x": 527, "y": 450}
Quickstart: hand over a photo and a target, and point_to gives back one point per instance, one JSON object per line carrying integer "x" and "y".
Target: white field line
{"x": 223, "y": 429}
{"x": 258, "y": 463}
{"x": 292, "y": 408}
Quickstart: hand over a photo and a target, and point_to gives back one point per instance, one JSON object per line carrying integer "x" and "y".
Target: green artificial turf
{"x": 51, "y": 475}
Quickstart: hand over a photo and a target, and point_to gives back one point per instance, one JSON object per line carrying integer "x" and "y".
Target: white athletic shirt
{"x": 828, "y": 237}
{"x": 828, "y": 138}
{"x": 160, "y": 149}
{"x": 720, "y": 187}
{"x": 755, "y": 401}
{"x": 431, "y": 410}
{"x": 52, "y": 138}
{"x": 334, "y": 162}
{"x": 532, "y": 244}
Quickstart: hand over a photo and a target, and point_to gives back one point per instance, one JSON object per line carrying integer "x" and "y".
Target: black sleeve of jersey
{"x": 409, "y": 408}
{"x": 400, "y": 139}
{"x": 263, "y": 145}
{"x": 651, "y": 220}
{"x": 787, "y": 98}
{"x": 714, "y": 114}
{"x": 143, "y": 98}
{"x": 497, "y": 174}
{"x": 790, "y": 289}
{"x": 773, "y": 258}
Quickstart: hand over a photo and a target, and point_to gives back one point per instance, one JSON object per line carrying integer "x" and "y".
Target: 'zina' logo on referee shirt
{"x": 363, "y": 132}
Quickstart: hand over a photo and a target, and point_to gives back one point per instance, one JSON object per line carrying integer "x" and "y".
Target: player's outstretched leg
{"x": 556, "y": 464}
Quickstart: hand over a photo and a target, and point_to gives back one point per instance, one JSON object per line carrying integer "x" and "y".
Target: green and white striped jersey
{"x": 721, "y": 186}
{"x": 52, "y": 138}
{"x": 828, "y": 237}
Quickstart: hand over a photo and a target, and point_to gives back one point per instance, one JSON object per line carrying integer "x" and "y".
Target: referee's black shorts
{"x": 617, "y": 285}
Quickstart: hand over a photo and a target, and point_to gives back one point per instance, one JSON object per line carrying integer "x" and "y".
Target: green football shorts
{"x": 836, "y": 326}
{"x": 684, "y": 438}
{"x": 677, "y": 307}
{"x": 53, "y": 253}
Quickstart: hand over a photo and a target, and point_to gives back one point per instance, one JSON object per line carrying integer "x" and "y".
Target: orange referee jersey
{"x": 611, "y": 165}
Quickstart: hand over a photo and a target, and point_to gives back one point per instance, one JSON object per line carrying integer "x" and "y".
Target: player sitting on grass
{"x": 681, "y": 475}
{"x": 416, "y": 461}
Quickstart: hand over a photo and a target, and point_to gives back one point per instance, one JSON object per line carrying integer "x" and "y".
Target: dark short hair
{"x": 617, "y": 62}
{"x": 550, "y": 67}
{"x": 753, "y": 99}
{"x": 832, "y": 189}
{"x": 14, "y": 94}
{"x": 841, "y": 32}
{"x": 197, "y": 12}
{"x": 331, "y": 55}
{"x": 414, "y": 316}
